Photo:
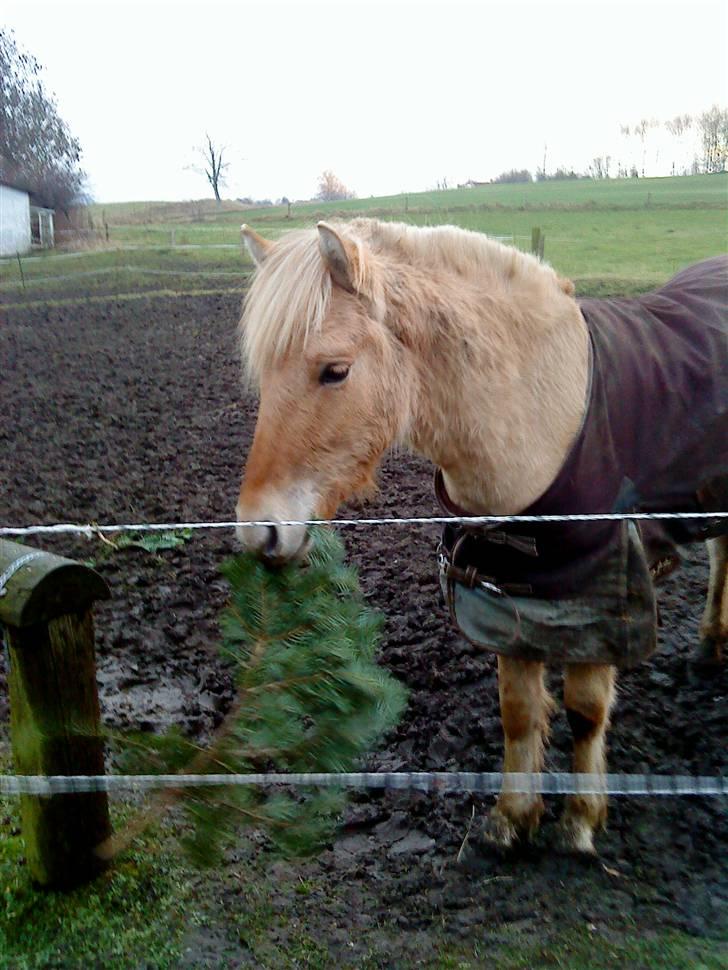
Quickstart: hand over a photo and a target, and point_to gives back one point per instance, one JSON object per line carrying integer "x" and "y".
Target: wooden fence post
{"x": 46, "y": 617}
{"x": 20, "y": 267}
{"x": 538, "y": 239}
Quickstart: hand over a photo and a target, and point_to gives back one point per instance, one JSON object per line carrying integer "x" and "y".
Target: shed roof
{"x": 8, "y": 184}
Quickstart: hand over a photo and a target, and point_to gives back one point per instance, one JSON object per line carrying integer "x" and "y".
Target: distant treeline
{"x": 596, "y": 171}
{"x": 699, "y": 146}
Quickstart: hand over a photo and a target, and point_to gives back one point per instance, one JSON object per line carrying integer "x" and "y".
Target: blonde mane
{"x": 291, "y": 290}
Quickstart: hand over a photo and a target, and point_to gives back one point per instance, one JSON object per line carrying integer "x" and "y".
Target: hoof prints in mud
{"x": 136, "y": 412}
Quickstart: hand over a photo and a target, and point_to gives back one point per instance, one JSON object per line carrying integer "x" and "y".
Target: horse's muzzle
{"x": 276, "y": 545}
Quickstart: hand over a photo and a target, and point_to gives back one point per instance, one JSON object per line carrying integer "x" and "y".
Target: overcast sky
{"x": 391, "y": 96}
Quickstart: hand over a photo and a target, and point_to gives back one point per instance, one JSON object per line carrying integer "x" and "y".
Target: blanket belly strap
{"x": 472, "y": 579}
{"x": 611, "y": 619}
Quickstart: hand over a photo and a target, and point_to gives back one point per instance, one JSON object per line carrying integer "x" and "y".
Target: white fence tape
{"x": 490, "y": 782}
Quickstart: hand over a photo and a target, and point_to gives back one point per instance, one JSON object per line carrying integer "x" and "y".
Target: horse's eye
{"x": 334, "y": 374}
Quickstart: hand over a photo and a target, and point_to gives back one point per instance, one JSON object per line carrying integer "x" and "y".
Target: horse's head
{"x": 333, "y": 381}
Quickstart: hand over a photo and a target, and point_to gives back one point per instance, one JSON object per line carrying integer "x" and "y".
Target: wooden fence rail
{"x": 47, "y": 625}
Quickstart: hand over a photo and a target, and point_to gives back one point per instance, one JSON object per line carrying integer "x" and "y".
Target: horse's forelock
{"x": 287, "y": 300}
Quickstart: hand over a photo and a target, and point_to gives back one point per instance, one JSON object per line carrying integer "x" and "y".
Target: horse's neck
{"x": 499, "y": 415}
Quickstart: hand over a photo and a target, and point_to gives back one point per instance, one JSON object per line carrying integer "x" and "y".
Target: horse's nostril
{"x": 271, "y": 542}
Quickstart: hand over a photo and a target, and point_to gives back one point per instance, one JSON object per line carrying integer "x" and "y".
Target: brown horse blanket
{"x": 654, "y": 438}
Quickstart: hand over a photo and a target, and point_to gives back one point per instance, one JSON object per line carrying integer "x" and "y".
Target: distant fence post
{"x": 538, "y": 239}
{"x": 20, "y": 267}
{"x": 46, "y": 619}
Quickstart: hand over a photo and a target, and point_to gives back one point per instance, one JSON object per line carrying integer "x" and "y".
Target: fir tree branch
{"x": 161, "y": 803}
{"x": 262, "y": 819}
{"x": 312, "y": 627}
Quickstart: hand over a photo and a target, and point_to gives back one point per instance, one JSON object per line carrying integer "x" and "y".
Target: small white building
{"x": 23, "y": 226}
{"x": 14, "y": 221}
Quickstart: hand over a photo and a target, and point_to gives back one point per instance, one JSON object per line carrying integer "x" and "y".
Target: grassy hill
{"x": 634, "y": 228}
{"x": 698, "y": 191}
{"x": 611, "y": 236}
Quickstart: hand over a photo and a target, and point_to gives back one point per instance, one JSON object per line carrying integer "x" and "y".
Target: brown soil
{"x": 130, "y": 412}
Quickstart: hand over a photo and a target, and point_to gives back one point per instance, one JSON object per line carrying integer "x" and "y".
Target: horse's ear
{"x": 340, "y": 255}
{"x": 566, "y": 285}
{"x": 256, "y": 245}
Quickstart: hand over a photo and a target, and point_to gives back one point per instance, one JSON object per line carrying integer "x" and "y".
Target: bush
{"x": 515, "y": 175}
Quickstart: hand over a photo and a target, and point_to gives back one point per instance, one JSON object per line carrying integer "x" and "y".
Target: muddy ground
{"x": 125, "y": 412}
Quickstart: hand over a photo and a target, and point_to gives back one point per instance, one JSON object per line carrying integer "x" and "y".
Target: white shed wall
{"x": 14, "y": 221}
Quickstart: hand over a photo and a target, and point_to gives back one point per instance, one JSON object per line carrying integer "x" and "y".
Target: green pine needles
{"x": 310, "y": 697}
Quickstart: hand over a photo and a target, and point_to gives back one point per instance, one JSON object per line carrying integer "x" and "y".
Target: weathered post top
{"x": 38, "y": 586}
{"x": 47, "y": 624}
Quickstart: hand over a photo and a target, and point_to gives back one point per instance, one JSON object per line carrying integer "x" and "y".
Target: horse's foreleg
{"x": 589, "y": 691}
{"x": 525, "y": 708}
{"x": 714, "y": 625}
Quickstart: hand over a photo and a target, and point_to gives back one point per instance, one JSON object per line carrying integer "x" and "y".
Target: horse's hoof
{"x": 576, "y": 836}
{"x": 709, "y": 653}
{"x": 499, "y": 831}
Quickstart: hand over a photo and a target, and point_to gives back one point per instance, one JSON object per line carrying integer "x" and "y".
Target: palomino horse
{"x": 365, "y": 335}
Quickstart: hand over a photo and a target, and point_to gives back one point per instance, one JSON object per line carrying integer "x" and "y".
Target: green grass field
{"x": 151, "y": 910}
{"x": 620, "y": 235}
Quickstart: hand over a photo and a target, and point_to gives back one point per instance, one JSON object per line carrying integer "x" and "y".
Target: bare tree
{"x": 627, "y": 133}
{"x": 331, "y": 188}
{"x": 713, "y": 125}
{"x": 680, "y": 127}
{"x": 641, "y": 130}
{"x": 213, "y": 167}
{"x": 599, "y": 168}
{"x": 37, "y": 150}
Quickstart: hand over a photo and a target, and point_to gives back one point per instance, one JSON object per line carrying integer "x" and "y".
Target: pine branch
{"x": 309, "y": 698}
